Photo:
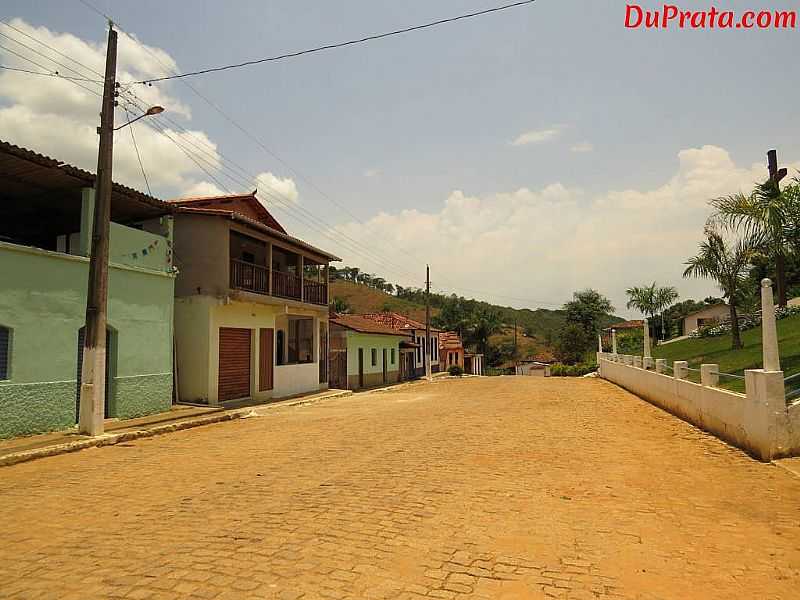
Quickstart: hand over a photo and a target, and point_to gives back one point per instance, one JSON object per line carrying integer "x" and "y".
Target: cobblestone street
{"x": 478, "y": 488}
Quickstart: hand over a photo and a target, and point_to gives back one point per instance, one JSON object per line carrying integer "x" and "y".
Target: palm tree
{"x": 728, "y": 265}
{"x": 768, "y": 216}
{"x": 651, "y": 300}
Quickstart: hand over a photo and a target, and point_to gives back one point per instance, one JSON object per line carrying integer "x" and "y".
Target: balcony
{"x": 256, "y": 279}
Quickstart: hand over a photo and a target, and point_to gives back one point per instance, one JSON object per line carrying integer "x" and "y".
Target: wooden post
{"x": 427, "y": 321}
{"x": 93, "y": 369}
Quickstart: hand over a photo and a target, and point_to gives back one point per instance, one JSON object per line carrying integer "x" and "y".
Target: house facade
{"x": 706, "y": 316}
{"x": 46, "y": 213}
{"x": 364, "y": 353}
{"x": 473, "y": 363}
{"x": 532, "y": 369}
{"x": 451, "y": 350}
{"x": 415, "y": 361}
{"x": 251, "y": 304}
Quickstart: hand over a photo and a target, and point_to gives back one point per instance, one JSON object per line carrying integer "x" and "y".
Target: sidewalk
{"x": 180, "y": 416}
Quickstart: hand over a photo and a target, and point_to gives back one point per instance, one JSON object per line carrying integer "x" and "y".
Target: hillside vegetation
{"x": 717, "y": 350}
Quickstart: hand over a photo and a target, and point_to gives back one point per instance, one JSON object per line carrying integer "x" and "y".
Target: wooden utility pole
{"x": 775, "y": 176}
{"x": 428, "y": 321}
{"x": 93, "y": 369}
{"x": 516, "y": 353}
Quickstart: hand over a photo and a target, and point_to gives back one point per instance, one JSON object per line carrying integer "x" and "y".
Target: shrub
{"x": 455, "y": 371}
{"x": 559, "y": 370}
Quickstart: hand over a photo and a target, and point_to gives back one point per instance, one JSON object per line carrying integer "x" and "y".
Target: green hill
{"x": 717, "y": 350}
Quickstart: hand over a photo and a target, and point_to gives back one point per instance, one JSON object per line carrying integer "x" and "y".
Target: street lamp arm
{"x": 153, "y": 110}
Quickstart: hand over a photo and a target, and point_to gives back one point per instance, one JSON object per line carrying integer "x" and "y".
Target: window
{"x": 5, "y": 351}
{"x": 301, "y": 340}
{"x": 434, "y": 348}
{"x": 392, "y": 356}
{"x": 374, "y": 357}
{"x": 419, "y": 349}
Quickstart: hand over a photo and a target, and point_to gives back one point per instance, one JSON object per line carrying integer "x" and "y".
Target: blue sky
{"x": 392, "y": 129}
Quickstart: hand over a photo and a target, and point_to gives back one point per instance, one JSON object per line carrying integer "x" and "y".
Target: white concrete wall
{"x": 297, "y": 379}
{"x": 758, "y": 422}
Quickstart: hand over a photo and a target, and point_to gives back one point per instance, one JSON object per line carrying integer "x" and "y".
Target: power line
{"x": 138, "y": 156}
{"x": 362, "y": 40}
{"x": 54, "y": 74}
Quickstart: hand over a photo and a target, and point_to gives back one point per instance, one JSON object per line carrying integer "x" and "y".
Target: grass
{"x": 364, "y": 299}
{"x": 717, "y": 350}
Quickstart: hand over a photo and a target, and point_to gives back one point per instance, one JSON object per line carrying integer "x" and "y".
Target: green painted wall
{"x": 368, "y": 341}
{"x": 43, "y": 301}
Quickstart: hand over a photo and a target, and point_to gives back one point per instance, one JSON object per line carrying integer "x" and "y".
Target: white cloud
{"x": 203, "y": 188}
{"x": 372, "y": 172}
{"x": 582, "y": 147}
{"x": 58, "y": 118}
{"x": 538, "y": 137}
{"x": 544, "y": 244}
{"x": 271, "y": 185}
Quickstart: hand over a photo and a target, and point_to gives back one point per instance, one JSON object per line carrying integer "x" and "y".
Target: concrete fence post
{"x": 661, "y": 365}
{"x": 681, "y": 369}
{"x": 709, "y": 375}
{"x": 647, "y": 362}
{"x": 637, "y": 362}
{"x": 766, "y": 417}
{"x": 613, "y": 341}
{"x": 599, "y": 343}
{"x": 769, "y": 330}
{"x": 646, "y": 339}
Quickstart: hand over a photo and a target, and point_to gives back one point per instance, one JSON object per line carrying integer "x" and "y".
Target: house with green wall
{"x": 366, "y": 354}
{"x": 46, "y": 210}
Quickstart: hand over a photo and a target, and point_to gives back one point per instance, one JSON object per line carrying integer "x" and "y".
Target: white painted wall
{"x": 297, "y": 379}
{"x": 759, "y": 422}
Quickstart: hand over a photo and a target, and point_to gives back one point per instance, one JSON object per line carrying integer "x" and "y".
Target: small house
{"x": 364, "y": 353}
{"x": 708, "y": 315}
{"x": 532, "y": 369}
{"x": 451, "y": 350}
{"x": 416, "y": 331}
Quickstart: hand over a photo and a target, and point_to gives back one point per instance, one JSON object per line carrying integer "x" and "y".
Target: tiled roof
{"x": 360, "y": 324}
{"x": 247, "y": 205}
{"x": 397, "y": 321}
{"x": 450, "y": 339}
{"x": 635, "y": 324}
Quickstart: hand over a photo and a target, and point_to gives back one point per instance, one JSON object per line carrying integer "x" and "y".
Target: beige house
{"x": 251, "y": 304}
{"x": 532, "y": 369}
{"x": 707, "y": 316}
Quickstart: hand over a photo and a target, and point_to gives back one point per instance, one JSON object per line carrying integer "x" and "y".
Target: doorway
{"x": 385, "y": 374}
{"x": 360, "y": 368}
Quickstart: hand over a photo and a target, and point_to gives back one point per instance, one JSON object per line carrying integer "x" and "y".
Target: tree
{"x": 769, "y": 217}
{"x": 341, "y": 305}
{"x": 572, "y": 343}
{"x": 651, "y": 300}
{"x": 587, "y": 308}
{"x": 486, "y": 323}
{"x": 728, "y": 265}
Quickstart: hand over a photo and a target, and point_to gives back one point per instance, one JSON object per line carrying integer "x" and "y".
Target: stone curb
{"x": 116, "y": 438}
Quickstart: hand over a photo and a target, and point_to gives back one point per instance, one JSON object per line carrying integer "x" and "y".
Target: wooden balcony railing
{"x": 250, "y": 277}
{"x": 255, "y": 278}
{"x": 286, "y": 285}
{"x": 315, "y": 292}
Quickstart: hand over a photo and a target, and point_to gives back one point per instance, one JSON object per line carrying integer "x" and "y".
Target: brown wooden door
{"x": 265, "y": 360}
{"x": 234, "y": 363}
{"x": 360, "y": 368}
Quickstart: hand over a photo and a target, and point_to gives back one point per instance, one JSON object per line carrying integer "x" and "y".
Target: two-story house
{"x": 46, "y": 214}
{"x": 251, "y": 303}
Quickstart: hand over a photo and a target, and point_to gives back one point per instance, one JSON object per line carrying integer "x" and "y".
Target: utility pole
{"x": 93, "y": 369}
{"x": 775, "y": 176}
{"x": 516, "y": 353}
{"x": 428, "y": 321}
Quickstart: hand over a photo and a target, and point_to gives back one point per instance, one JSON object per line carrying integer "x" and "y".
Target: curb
{"x": 112, "y": 439}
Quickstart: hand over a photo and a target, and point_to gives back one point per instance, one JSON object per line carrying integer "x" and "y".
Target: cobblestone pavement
{"x": 493, "y": 488}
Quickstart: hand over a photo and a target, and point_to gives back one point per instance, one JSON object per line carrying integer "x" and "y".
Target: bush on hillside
{"x": 745, "y": 322}
{"x": 455, "y": 371}
{"x": 559, "y": 370}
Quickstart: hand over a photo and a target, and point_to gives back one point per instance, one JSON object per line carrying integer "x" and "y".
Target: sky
{"x": 523, "y": 155}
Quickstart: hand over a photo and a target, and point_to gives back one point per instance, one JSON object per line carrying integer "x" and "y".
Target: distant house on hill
{"x": 416, "y": 331}
{"x": 634, "y": 324}
{"x": 705, "y": 316}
